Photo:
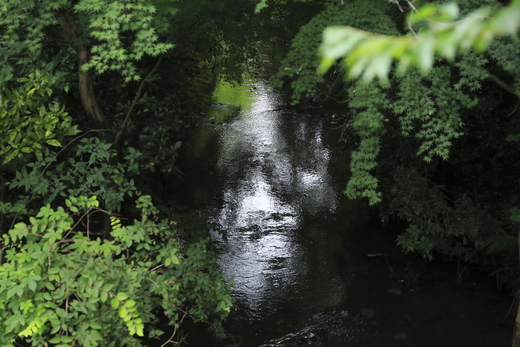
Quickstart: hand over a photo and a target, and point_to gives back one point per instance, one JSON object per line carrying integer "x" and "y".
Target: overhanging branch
{"x": 134, "y": 102}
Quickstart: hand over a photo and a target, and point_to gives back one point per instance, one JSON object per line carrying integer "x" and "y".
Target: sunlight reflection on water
{"x": 270, "y": 183}
{"x": 297, "y": 248}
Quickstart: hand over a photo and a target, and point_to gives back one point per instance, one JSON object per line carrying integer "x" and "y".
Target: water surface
{"x": 309, "y": 265}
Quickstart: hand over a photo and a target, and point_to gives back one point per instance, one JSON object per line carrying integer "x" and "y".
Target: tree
{"x": 300, "y": 65}
{"x": 28, "y": 121}
{"x": 62, "y": 286}
{"x": 368, "y": 55}
{"x": 425, "y": 117}
{"x": 106, "y": 290}
{"x": 414, "y": 114}
{"x": 105, "y": 35}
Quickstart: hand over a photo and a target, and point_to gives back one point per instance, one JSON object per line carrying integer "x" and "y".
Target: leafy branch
{"x": 370, "y": 55}
{"x": 136, "y": 98}
{"x": 57, "y": 288}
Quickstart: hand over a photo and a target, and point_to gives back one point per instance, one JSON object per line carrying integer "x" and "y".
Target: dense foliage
{"x": 437, "y": 131}
{"x": 431, "y": 148}
{"x": 301, "y": 63}
{"x": 60, "y": 284}
{"x": 81, "y": 262}
{"x": 96, "y": 98}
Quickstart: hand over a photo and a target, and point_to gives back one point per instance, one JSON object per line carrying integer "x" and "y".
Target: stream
{"x": 309, "y": 265}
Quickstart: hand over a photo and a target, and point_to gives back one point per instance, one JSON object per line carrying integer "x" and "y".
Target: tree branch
{"x": 502, "y": 84}
{"x": 86, "y": 87}
{"x": 136, "y": 98}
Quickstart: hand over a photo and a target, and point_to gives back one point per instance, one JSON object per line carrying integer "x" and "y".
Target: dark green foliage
{"x": 369, "y": 125}
{"x": 29, "y": 119}
{"x": 434, "y": 30}
{"x": 86, "y": 172}
{"x": 299, "y": 68}
{"x": 431, "y": 149}
{"x": 122, "y": 32}
{"x": 453, "y": 228}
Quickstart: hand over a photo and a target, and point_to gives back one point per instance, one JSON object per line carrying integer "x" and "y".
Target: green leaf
{"x": 67, "y": 339}
{"x": 114, "y": 303}
{"x": 122, "y": 296}
{"x": 96, "y": 326}
{"x": 175, "y": 259}
{"x": 32, "y": 285}
{"x": 123, "y": 312}
{"x": 103, "y": 296}
{"x": 11, "y": 292}
{"x": 54, "y": 142}
{"x": 55, "y": 339}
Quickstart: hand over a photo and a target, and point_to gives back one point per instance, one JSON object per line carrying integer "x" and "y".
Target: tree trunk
{"x": 86, "y": 87}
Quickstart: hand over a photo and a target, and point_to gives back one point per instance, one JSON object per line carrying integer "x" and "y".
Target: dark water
{"x": 307, "y": 261}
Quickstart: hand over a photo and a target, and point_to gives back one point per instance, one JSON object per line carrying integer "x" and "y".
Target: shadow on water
{"x": 310, "y": 266}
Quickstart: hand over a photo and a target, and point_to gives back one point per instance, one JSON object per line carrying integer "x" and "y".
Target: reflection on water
{"x": 276, "y": 188}
{"x": 297, "y": 248}
{"x": 272, "y": 183}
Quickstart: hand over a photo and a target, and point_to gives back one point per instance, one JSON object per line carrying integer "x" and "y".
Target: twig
{"x": 398, "y": 5}
{"x": 513, "y": 110}
{"x": 158, "y": 266}
{"x": 413, "y": 31}
{"x": 412, "y": 7}
{"x": 68, "y": 144}
{"x": 175, "y": 326}
{"x": 153, "y": 282}
{"x": 87, "y": 213}
{"x": 339, "y": 102}
{"x": 503, "y": 84}
{"x": 390, "y": 268}
{"x": 5, "y": 61}
{"x": 136, "y": 98}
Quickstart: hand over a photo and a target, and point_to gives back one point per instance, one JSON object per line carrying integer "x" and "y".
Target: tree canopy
{"x": 86, "y": 122}
{"x": 96, "y": 97}
{"x": 436, "y": 99}
{"x": 370, "y": 55}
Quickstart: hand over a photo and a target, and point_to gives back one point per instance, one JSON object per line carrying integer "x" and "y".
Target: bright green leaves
{"x": 60, "y": 286}
{"x": 28, "y": 121}
{"x": 127, "y": 311}
{"x": 110, "y": 23}
{"x": 261, "y": 5}
{"x": 122, "y": 31}
{"x": 369, "y": 55}
{"x": 114, "y": 303}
